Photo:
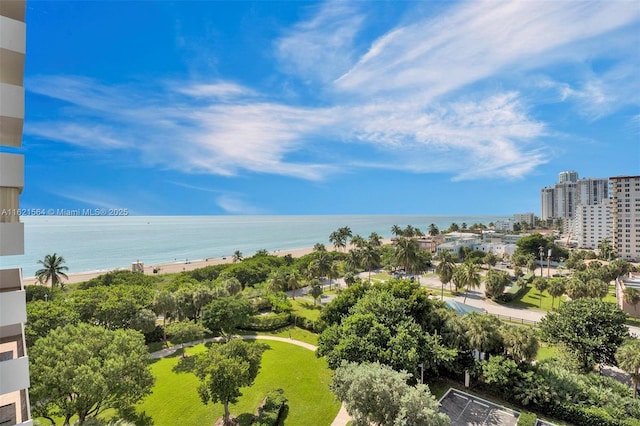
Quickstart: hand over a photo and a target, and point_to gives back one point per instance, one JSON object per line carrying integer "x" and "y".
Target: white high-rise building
{"x": 522, "y": 218}
{"x": 625, "y": 207}
{"x": 568, "y": 176}
{"x": 592, "y": 191}
{"x": 546, "y": 203}
{"x": 592, "y": 224}
{"x": 14, "y": 364}
{"x": 564, "y": 205}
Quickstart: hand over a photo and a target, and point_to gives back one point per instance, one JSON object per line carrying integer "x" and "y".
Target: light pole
{"x": 541, "y": 250}
{"x": 549, "y": 263}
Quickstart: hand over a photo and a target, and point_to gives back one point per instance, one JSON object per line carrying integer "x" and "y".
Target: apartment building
{"x": 14, "y": 364}
{"x": 522, "y": 218}
{"x": 625, "y": 212}
{"x": 592, "y": 224}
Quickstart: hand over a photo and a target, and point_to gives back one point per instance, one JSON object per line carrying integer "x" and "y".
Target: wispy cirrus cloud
{"x": 322, "y": 47}
{"x": 476, "y": 40}
{"x": 237, "y": 204}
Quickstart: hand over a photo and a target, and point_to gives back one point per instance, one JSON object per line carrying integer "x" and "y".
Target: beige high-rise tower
{"x": 14, "y": 364}
{"x": 625, "y": 207}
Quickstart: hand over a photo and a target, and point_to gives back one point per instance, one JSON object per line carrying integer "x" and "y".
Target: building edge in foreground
{"x": 14, "y": 364}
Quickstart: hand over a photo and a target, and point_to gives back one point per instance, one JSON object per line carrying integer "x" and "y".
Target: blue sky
{"x": 383, "y": 107}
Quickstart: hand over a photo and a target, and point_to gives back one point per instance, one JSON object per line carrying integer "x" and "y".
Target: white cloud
{"x": 321, "y": 48}
{"x": 235, "y": 204}
{"x": 435, "y": 56}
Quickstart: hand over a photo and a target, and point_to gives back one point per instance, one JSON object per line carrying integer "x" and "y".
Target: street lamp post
{"x": 549, "y": 263}
{"x": 541, "y": 250}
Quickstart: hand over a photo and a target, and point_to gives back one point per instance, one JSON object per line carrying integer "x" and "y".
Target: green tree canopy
{"x": 225, "y": 368}
{"x": 83, "y": 370}
{"x": 376, "y": 394}
{"x": 226, "y": 314}
{"x": 590, "y": 329}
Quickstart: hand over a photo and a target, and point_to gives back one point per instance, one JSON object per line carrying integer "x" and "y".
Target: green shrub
{"x": 527, "y": 419}
{"x": 268, "y": 322}
{"x": 271, "y": 412}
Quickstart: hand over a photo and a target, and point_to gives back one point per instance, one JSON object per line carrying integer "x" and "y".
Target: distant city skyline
{"x": 183, "y": 108}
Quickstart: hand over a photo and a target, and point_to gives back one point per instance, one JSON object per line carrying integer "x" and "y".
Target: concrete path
{"x": 342, "y": 418}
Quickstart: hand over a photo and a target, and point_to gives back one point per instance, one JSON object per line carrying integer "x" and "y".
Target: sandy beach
{"x": 168, "y": 268}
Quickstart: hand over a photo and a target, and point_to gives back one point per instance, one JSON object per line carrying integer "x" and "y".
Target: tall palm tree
{"x": 406, "y": 253}
{"x": 358, "y": 241}
{"x": 278, "y": 280}
{"x": 322, "y": 262}
{"x": 375, "y": 239}
{"x": 445, "y": 268}
{"x": 293, "y": 283}
{"x": 470, "y": 277}
{"x": 370, "y": 258}
{"x": 557, "y": 287}
{"x": 604, "y": 249}
{"x": 53, "y": 269}
{"x": 353, "y": 260}
{"x": 397, "y": 231}
{"x": 333, "y": 272}
{"x": 237, "y": 256}
{"x": 433, "y": 230}
{"x": 164, "y": 303}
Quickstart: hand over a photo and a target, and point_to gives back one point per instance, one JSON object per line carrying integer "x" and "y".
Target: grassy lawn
{"x": 546, "y": 351}
{"x": 531, "y": 300}
{"x": 305, "y": 309}
{"x": 304, "y": 378}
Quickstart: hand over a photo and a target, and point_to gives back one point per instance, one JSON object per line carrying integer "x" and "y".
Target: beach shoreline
{"x": 167, "y": 268}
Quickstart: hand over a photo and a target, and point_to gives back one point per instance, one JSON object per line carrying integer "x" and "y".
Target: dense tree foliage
{"x": 226, "y": 314}
{"x": 83, "y": 370}
{"x": 42, "y": 317}
{"x": 224, "y": 369}
{"x": 376, "y": 394}
{"x": 590, "y": 329}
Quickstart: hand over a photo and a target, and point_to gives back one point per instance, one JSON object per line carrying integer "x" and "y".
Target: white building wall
{"x": 593, "y": 224}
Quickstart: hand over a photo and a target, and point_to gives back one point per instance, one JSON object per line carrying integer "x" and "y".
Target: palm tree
{"x": 557, "y": 287}
{"x": 631, "y": 296}
{"x": 375, "y": 239}
{"x": 319, "y": 247}
{"x": 604, "y": 249}
{"x": 541, "y": 284}
{"x": 322, "y": 262}
{"x": 628, "y": 357}
{"x": 483, "y": 332}
{"x": 278, "y": 280}
{"x": 445, "y": 268}
{"x": 370, "y": 258}
{"x": 470, "y": 277}
{"x": 406, "y": 253}
{"x": 237, "y": 256}
{"x": 433, "y": 230}
{"x": 353, "y": 261}
{"x": 333, "y": 272}
{"x": 164, "y": 303}
{"x": 53, "y": 269}
{"x": 396, "y": 230}
{"x": 358, "y": 241}
{"x": 293, "y": 283}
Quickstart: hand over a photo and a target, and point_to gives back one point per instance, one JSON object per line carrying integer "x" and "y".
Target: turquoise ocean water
{"x": 105, "y": 243}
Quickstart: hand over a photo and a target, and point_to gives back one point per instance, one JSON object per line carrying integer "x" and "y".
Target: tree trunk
{"x": 226, "y": 414}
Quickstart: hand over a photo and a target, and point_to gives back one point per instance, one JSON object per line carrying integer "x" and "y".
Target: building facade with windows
{"x": 592, "y": 224}
{"x": 625, "y": 212}
{"x": 14, "y": 364}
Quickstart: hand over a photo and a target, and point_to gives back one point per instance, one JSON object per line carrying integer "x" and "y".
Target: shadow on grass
{"x": 185, "y": 365}
{"x": 245, "y": 419}
{"x": 309, "y": 305}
